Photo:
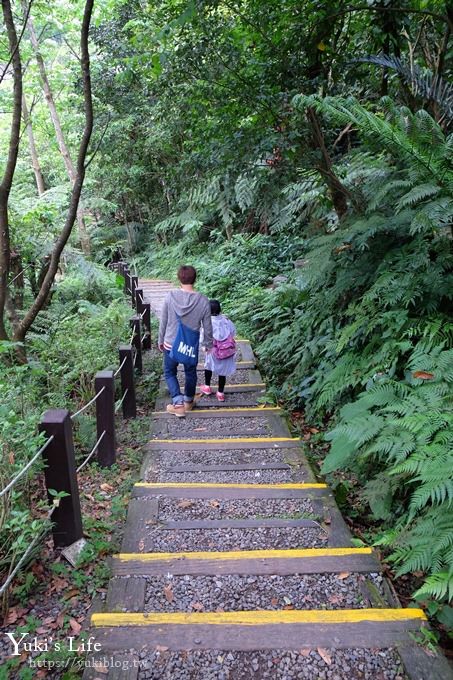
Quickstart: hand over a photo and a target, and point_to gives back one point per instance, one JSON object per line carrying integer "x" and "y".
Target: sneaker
{"x": 220, "y": 396}
{"x": 177, "y": 409}
{"x": 189, "y": 405}
{"x": 205, "y": 389}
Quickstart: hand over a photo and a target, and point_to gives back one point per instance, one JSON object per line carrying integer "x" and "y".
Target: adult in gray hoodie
{"x": 194, "y": 310}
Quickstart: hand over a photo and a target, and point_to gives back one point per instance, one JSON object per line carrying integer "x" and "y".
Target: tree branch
{"x": 401, "y": 10}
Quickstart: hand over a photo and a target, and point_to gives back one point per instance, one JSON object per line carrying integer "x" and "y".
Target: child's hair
{"x": 187, "y": 274}
{"x": 215, "y": 307}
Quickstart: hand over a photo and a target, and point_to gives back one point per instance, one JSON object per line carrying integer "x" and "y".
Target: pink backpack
{"x": 224, "y": 349}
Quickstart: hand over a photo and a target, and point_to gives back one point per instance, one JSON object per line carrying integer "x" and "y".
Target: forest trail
{"x": 236, "y": 562}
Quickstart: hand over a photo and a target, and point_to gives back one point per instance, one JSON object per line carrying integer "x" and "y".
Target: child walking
{"x": 222, "y": 358}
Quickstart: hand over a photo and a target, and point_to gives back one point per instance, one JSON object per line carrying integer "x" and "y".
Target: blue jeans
{"x": 171, "y": 377}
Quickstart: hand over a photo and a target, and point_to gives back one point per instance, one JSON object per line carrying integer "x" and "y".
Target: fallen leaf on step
{"x": 214, "y": 504}
{"x": 160, "y": 648}
{"x": 274, "y": 601}
{"x": 168, "y": 592}
{"x": 335, "y": 599}
{"x": 304, "y": 652}
{"x": 200, "y": 429}
{"x": 324, "y": 654}
{"x": 197, "y": 606}
{"x": 141, "y": 545}
{"x": 185, "y": 503}
{"x": 344, "y": 574}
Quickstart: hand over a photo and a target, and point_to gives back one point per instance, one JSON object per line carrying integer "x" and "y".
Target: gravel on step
{"x": 239, "y": 378}
{"x": 260, "y": 538}
{"x": 217, "y": 427}
{"x": 217, "y": 456}
{"x": 236, "y": 399}
{"x": 250, "y": 592}
{"x": 334, "y": 664}
{"x": 248, "y": 508}
{"x": 225, "y": 477}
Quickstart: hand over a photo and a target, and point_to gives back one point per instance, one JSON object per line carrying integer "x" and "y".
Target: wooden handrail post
{"x": 105, "y": 417}
{"x": 127, "y": 381}
{"x": 138, "y": 300}
{"x": 60, "y": 475}
{"x": 134, "y": 284}
{"x": 127, "y": 281}
{"x": 146, "y": 325}
{"x": 137, "y": 342}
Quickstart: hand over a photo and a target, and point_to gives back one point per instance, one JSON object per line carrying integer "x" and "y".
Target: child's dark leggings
{"x": 208, "y": 376}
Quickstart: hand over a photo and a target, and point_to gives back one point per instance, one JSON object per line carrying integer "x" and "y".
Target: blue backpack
{"x": 186, "y": 344}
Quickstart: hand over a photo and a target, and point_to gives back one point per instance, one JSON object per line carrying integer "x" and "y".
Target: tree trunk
{"x": 337, "y": 190}
{"x": 69, "y": 165}
{"x": 24, "y": 325}
{"x": 10, "y": 167}
{"x": 32, "y": 146}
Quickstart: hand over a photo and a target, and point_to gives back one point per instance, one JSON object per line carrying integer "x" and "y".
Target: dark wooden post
{"x": 134, "y": 284}
{"x": 139, "y": 300}
{"x": 146, "y": 325}
{"x": 127, "y": 381}
{"x": 127, "y": 281}
{"x": 60, "y": 474}
{"x": 137, "y": 342}
{"x": 105, "y": 417}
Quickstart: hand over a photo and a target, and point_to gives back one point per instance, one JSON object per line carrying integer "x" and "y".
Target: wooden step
{"x": 228, "y": 491}
{"x": 308, "y": 561}
{"x": 230, "y": 443}
{"x": 231, "y": 389}
{"x": 200, "y": 412}
{"x": 251, "y": 630}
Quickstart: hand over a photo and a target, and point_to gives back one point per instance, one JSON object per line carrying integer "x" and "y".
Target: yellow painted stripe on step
{"x": 258, "y": 409}
{"x": 245, "y": 554}
{"x": 257, "y": 618}
{"x": 215, "y": 485}
{"x": 233, "y": 440}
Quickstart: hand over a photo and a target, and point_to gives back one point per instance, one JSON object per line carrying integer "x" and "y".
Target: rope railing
{"x": 26, "y": 467}
{"x": 118, "y": 371}
{"x": 92, "y": 452}
{"x": 120, "y": 403}
{"x": 84, "y": 408}
{"x": 58, "y": 448}
{"x": 24, "y": 557}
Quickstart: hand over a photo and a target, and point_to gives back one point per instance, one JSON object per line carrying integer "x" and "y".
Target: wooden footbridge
{"x": 236, "y": 561}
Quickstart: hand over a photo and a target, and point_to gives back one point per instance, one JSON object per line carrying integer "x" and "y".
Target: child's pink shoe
{"x": 220, "y": 396}
{"x": 205, "y": 389}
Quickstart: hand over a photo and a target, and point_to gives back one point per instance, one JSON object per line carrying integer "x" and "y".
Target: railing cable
{"x": 29, "y": 550}
{"x": 118, "y": 371}
{"x": 26, "y": 467}
{"x": 91, "y": 454}
{"x": 84, "y": 408}
{"x": 120, "y": 403}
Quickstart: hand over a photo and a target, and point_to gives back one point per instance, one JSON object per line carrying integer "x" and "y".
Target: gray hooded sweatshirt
{"x": 194, "y": 310}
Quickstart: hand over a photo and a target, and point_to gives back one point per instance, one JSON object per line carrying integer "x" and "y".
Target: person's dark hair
{"x": 215, "y": 307}
{"x": 187, "y": 274}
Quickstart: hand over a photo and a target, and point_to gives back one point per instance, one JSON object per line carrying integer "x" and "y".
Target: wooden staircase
{"x": 227, "y": 508}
